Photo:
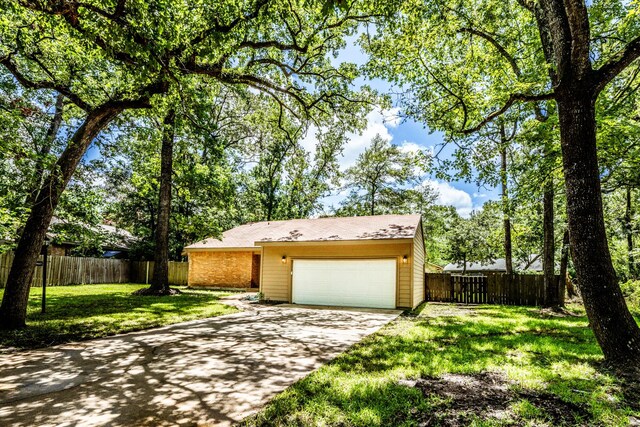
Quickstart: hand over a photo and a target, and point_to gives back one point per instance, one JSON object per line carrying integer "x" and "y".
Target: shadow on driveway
{"x": 213, "y": 371}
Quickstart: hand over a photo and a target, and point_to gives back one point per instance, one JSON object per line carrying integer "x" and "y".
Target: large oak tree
{"x": 456, "y": 59}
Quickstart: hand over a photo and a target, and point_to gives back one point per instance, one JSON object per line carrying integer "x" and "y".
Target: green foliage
{"x": 453, "y": 77}
{"x": 93, "y": 311}
{"x": 457, "y": 62}
{"x": 201, "y": 196}
{"x": 556, "y": 357}
{"x": 234, "y": 70}
{"x": 614, "y": 203}
{"x": 631, "y": 291}
{"x": 438, "y": 222}
{"x": 382, "y": 181}
{"x": 281, "y": 180}
{"x": 25, "y": 117}
{"x": 477, "y": 238}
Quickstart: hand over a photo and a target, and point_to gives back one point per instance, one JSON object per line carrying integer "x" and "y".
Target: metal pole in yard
{"x": 45, "y": 254}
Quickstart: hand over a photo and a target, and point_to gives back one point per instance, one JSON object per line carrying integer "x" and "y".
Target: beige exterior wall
{"x": 275, "y": 281}
{"x": 418, "y": 267}
{"x": 220, "y": 269}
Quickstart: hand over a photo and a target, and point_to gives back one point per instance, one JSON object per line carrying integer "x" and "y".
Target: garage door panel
{"x": 356, "y": 283}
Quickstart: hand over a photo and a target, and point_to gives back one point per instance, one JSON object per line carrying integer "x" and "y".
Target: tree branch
{"x": 273, "y": 44}
{"x": 617, "y": 64}
{"x": 497, "y": 45}
{"x": 43, "y": 84}
{"x": 513, "y": 98}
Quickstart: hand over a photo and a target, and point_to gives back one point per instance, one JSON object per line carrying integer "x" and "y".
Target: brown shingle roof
{"x": 380, "y": 227}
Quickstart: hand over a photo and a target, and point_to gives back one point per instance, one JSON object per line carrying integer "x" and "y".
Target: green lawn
{"x": 91, "y": 311}
{"x": 475, "y": 365}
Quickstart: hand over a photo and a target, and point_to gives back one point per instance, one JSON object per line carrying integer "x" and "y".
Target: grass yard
{"x": 463, "y": 365}
{"x": 91, "y": 311}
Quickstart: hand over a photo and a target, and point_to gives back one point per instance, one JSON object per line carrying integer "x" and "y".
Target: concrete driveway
{"x": 206, "y": 372}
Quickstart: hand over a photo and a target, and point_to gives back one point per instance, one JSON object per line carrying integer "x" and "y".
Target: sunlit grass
{"x": 364, "y": 387}
{"x": 91, "y": 311}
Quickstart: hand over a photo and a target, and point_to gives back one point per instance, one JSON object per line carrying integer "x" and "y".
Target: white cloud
{"x": 378, "y": 123}
{"x": 448, "y": 195}
{"x": 410, "y": 147}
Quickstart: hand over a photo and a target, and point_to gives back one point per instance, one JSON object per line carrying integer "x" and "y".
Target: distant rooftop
{"x": 379, "y": 227}
{"x": 499, "y": 264}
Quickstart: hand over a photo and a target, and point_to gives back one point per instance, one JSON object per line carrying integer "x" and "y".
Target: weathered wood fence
{"x": 142, "y": 272}
{"x": 63, "y": 270}
{"x": 494, "y": 288}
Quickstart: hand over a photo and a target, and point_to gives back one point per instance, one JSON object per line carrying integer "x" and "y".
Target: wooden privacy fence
{"x": 142, "y": 272}
{"x": 495, "y": 288}
{"x": 64, "y": 270}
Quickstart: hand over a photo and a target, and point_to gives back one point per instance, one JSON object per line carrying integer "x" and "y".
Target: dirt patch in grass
{"x": 152, "y": 292}
{"x": 557, "y": 312}
{"x": 462, "y": 399}
{"x": 448, "y": 310}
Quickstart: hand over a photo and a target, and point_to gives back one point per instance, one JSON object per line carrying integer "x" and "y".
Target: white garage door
{"x": 353, "y": 283}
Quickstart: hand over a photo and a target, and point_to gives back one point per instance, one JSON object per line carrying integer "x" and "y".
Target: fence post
{"x": 146, "y": 280}
{"x": 452, "y": 284}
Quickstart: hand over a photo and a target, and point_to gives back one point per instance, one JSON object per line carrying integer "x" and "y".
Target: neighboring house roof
{"x": 498, "y": 264}
{"x": 115, "y": 237}
{"x": 534, "y": 264}
{"x": 379, "y": 227}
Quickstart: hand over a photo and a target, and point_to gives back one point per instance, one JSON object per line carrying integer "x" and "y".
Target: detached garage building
{"x": 369, "y": 261}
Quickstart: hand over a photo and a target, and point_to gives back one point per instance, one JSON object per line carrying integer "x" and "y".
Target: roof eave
{"x": 222, "y": 249}
{"x": 334, "y": 241}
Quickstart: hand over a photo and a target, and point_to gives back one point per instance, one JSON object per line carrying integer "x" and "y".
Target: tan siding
{"x": 418, "y": 267}
{"x": 276, "y": 276}
{"x": 220, "y": 269}
{"x": 404, "y": 280}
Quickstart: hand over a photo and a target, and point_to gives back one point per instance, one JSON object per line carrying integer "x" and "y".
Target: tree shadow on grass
{"x": 74, "y": 306}
{"x": 555, "y": 363}
{"x": 76, "y": 317}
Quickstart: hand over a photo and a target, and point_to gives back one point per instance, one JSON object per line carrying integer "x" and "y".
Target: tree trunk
{"x": 13, "y": 311}
{"x": 615, "y": 329}
{"x": 628, "y": 213}
{"x": 548, "y": 259}
{"x": 508, "y": 256}
{"x": 271, "y": 194}
{"x": 160, "y": 279}
{"x": 373, "y": 200}
{"x": 564, "y": 265}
